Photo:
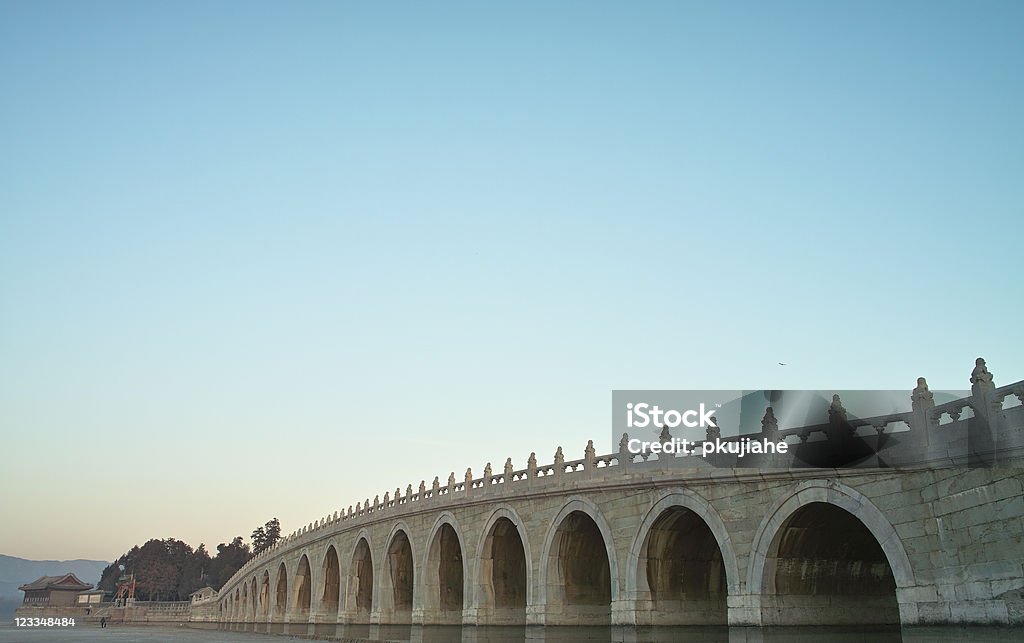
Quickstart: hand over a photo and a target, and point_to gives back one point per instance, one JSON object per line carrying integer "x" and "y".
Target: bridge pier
{"x": 470, "y": 616}
{"x": 623, "y": 612}
{"x": 536, "y": 615}
{"x": 744, "y": 610}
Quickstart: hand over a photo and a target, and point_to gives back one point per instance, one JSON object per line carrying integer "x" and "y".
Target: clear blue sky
{"x": 243, "y": 243}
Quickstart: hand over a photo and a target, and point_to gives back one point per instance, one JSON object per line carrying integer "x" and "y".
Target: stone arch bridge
{"x": 627, "y": 539}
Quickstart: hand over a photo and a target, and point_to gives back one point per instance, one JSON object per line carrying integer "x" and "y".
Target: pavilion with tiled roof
{"x": 53, "y": 591}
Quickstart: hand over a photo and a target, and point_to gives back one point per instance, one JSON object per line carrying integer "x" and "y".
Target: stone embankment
{"x": 157, "y": 612}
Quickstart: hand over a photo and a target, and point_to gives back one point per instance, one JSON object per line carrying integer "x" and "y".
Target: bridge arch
{"x": 360, "y": 583}
{"x": 819, "y": 520}
{"x": 244, "y": 607}
{"x": 503, "y": 572}
{"x": 264, "y": 611}
{"x": 330, "y": 589}
{"x": 681, "y": 536}
{"x": 444, "y": 583}
{"x": 281, "y": 593}
{"x": 302, "y": 592}
{"x": 578, "y": 571}
{"x": 255, "y": 598}
{"x": 398, "y": 576}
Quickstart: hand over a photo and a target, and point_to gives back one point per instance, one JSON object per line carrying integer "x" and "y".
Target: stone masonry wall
{"x": 954, "y": 538}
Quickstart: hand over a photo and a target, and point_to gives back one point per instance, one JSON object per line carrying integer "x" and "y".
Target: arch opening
{"x": 503, "y": 570}
{"x": 681, "y": 568}
{"x": 444, "y": 591}
{"x": 332, "y": 585}
{"x": 281, "y": 597}
{"x": 361, "y": 583}
{"x": 579, "y": 573}
{"x": 400, "y": 573}
{"x": 265, "y": 596}
{"x": 254, "y": 608}
{"x": 824, "y": 566}
{"x": 303, "y": 585}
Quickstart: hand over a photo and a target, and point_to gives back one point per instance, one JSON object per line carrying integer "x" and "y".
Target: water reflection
{"x": 615, "y": 634}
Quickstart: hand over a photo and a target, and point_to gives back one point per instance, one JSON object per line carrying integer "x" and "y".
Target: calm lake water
{"x": 155, "y": 634}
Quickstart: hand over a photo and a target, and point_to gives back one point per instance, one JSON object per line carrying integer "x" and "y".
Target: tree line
{"x": 171, "y": 570}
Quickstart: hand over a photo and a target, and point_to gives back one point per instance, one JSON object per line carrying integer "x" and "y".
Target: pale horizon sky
{"x": 270, "y": 259}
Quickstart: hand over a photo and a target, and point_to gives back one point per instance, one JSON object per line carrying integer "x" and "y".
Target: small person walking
{"x": 103, "y": 621}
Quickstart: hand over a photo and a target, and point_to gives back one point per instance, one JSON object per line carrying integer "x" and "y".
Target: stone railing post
{"x": 770, "y": 425}
{"x": 589, "y": 459}
{"x": 982, "y": 381}
{"x": 770, "y": 432}
{"x": 531, "y": 468}
{"x": 922, "y": 401}
{"x": 436, "y": 488}
{"x": 451, "y": 483}
{"x": 487, "y": 476}
{"x": 712, "y": 433}
{"x": 983, "y": 429}
{"x": 982, "y": 386}
{"x": 665, "y": 438}
{"x": 559, "y": 462}
{"x": 837, "y": 421}
{"x": 625, "y": 455}
{"x": 468, "y": 485}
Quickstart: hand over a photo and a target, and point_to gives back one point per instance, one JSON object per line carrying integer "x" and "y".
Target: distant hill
{"x": 18, "y": 571}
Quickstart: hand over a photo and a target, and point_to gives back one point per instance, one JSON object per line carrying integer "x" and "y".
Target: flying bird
{"x": 781, "y": 364}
